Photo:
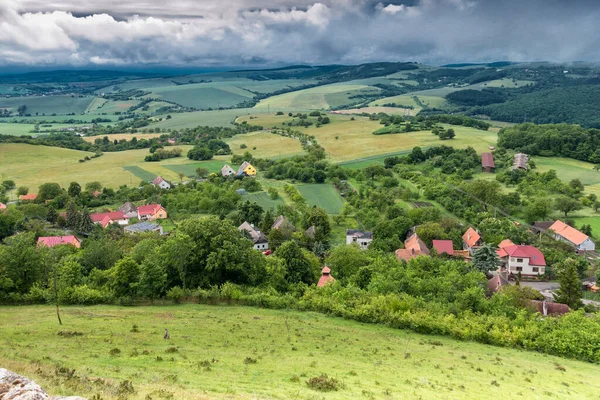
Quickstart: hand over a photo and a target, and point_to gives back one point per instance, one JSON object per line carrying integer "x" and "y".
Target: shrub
{"x": 323, "y": 383}
{"x": 176, "y": 294}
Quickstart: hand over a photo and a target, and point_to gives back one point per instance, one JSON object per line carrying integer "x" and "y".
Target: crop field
{"x": 48, "y": 105}
{"x": 202, "y": 118}
{"x": 204, "y": 97}
{"x": 111, "y": 107}
{"x": 373, "y": 160}
{"x": 321, "y": 97}
{"x": 263, "y": 200}
{"x": 265, "y": 145}
{"x": 568, "y": 169}
{"x": 248, "y": 353}
{"x": 19, "y": 129}
{"x": 376, "y": 110}
{"x": 140, "y": 173}
{"x": 322, "y": 195}
{"x": 347, "y": 140}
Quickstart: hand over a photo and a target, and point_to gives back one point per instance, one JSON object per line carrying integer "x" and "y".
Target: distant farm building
{"x": 362, "y": 239}
{"x": 151, "y": 212}
{"x": 28, "y": 197}
{"x": 443, "y": 246}
{"x": 523, "y": 259}
{"x": 2, "y": 206}
{"x": 109, "y": 218}
{"x": 568, "y": 234}
{"x": 161, "y": 183}
{"x": 471, "y": 240}
{"x": 227, "y": 170}
{"x": 259, "y": 240}
{"x": 246, "y": 169}
{"x": 487, "y": 162}
{"x": 520, "y": 161}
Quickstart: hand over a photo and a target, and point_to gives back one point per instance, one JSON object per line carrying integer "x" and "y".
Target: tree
{"x": 22, "y": 109}
{"x": 85, "y": 224}
{"x": 538, "y": 210}
{"x": 22, "y": 190}
{"x": 587, "y": 229}
{"x": 125, "y": 276}
{"x": 72, "y": 215}
{"x": 447, "y": 134}
{"x": 567, "y": 205}
{"x": 201, "y": 172}
{"x": 318, "y": 218}
{"x": 52, "y": 215}
{"x": 92, "y": 187}
{"x": 48, "y": 191}
{"x": 250, "y": 212}
{"x": 299, "y": 268}
{"x": 181, "y": 176}
{"x": 200, "y": 153}
{"x": 488, "y": 192}
{"x": 267, "y": 222}
{"x": 485, "y": 259}
{"x": 569, "y": 292}
{"x": 153, "y": 278}
{"x": 346, "y": 261}
{"x": 74, "y": 189}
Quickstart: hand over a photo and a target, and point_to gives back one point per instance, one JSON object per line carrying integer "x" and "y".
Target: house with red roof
{"x": 28, "y": 197}
{"x": 51, "y": 241}
{"x": 568, "y": 234}
{"x": 2, "y": 206}
{"x": 108, "y": 218}
{"x": 443, "y": 246}
{"x": 471, "y": 240}
{"x": 325, "y": 277}
{"x": 497, "y": 282}
{"x": 151, "y": 212}
{"x": 161, "y": 183}
{"x": 487, "y": 162}
{"x": 524, "y": 259}
{"x": 413, "y": 247}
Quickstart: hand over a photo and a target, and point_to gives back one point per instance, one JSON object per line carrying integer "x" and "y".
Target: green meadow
{"x": 322, "y": 195}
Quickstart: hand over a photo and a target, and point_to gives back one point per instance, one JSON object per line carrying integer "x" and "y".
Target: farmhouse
{"x": 520, "y": 161}
{"x": 413, "y": 247}
{"x": 259, "y": 240}
{"x": 28, "y": 197}
{"x": 143, "y": 227}
{"x": 108, "y": 218}
{"x": 129, "y": 210}
{"x": 151, "y": 212}
{"x": 227, "y": 170}
{"x": 487, "y": 162}
{"x": 568, "y": 234}
{"x": 471, "y": 240}
{"x": 443, "y": 246}
{"x": 524, "y": 259}
{"x": 161, "y": 183}
{"x": 363, "y": 239}
{"x": 325, "y": 277}
{"x": 51, "y": 241}
{"x": 246, "y": 169}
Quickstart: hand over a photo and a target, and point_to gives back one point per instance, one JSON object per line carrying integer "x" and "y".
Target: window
{"x": 534, "y": 269}
{"x": 354, "y": 239}
{"x": 519, "y": 260}
{"x": 519, "y": 269}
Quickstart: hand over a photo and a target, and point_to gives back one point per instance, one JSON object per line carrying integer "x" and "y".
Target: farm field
{"x": 126, "y": 136}
{"x": 267, "y": 145}
{"x": 568, "y": 169}
{"x": 505, "y": 82}
{"x": 355, "y": 139}
{"x": 201, "y": 118}
{"x": 188, "y": 168}
{"x": 203, "y": 96}
{"x": 48, "y": 105}
{"x": 247, "y": 353}
{"x": 263, "y": 200}
{"x": 322, "y": 195}
{"x": 15, "y": 129}
{"x": 375, "y": 110}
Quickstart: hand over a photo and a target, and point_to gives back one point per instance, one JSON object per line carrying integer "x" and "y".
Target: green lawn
{"x": 322, "y": 195}
{"x": 263, "y": 200}
{"x": 140, "y": 173}
{"x": 231, "y": 352}
{"x": 373, "y": 160}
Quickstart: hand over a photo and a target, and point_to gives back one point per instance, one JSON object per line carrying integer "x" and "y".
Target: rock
{"x": 17, "y": 387}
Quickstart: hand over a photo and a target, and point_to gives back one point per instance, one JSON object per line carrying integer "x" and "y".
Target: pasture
{"x": 265, "y": 145}
{"x": 568, "y": 169}
{"x": 322, "y": 195}
{"x": 201, "y": 118}
{"x": 345, "y": 139}
{"x": 248, "y": 353}
{"x": 120, "y": 136}
{"x": 47, "y": 105}
{"x": 263, "y": 200}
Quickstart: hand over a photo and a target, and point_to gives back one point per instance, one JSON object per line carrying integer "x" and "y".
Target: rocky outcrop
{"x": 17, "y": 387}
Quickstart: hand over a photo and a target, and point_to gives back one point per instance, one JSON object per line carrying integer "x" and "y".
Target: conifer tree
{"x": 569, "y": 292}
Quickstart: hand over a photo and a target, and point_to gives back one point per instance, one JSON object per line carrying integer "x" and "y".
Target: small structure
{"x": 282, "y": 222}
{"x": 520, "y": 161}
{"x": 524, "y": 259}
{"x": 325, "y": 277}
{"x": 541, "y": 226}
{"x": 549, "y": 308}
{"x": 443, "y": 246}
{"x": 161, "y": 183}
{"x": 246, "y": 169}
{"x": 413, "y": 247}
{"x": 2, "y": 206}
{"x": 311, "y": 232}
{"x": 151, "y": 212}
{"x": 568, "y": 234}
{"x": 96, "y": 194}
{"x": 487, "y": 162}
{"x": 241, "y": 192}
{"x": 227, "y": 170}
{"x": 362, "y": 239}
{"x": 51, "y": 241}
{"x": 496, "y": 283}
{"x": 259, "y": 240}
{"x": 108, "y": 218}
{"x": 129, "y": 210}
{"x": 28, "y": 197}
{"x": 471, "y": 240}
{"x": 143, "y": 227}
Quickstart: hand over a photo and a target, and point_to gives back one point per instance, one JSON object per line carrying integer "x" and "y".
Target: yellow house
{"x": 247, "y": 169}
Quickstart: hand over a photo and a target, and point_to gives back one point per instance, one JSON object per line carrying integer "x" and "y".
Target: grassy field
{"x": 126, "y": 136}
{"x": 140, "y": 173}
{"x": 202, "y": 118}
{"x": 361, "y": 163}
{"x": 204, "y": 96}
{"x": 506, "y": 83}
{"x": 18, "y": 129}
{"x": 263, "y": 200}
{"x": 593, "y": 221}
{"x": 568, "y": 169}
{"x": 355, "y": 139}
{"x": 249, "y": 353}
{"x": 265, "y": 145}
{"x": 189, "y": 168}
{"x": 322, "y": 195}
{"x": 321, "y": 97}
{"x": 48, "y": 105}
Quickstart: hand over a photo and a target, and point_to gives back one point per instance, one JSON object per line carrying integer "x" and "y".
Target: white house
{"x": 523, "y": 259}
{"x": 227, "y": 170}
{"x": 363, "y": 239}
{"x": 568, "y": 234}
{"x": 259, "y": 240}
{"x": 161, "y": 183}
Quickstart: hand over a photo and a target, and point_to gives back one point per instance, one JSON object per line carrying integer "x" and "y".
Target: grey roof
{"x": 311, "y": 232}
{"x": 242, "y": 168}
{"x": 227, "y": 170}
{"x": 540, "y": 226}
{"x": 282, "y": 221}
{"x": 359, "y": 234}
{"x": 241, "y": 191}
{"x": 257, "y": 236}
{"x": 520, "y": 161}
{"x": 128, "y": 207}
{"x": 143, "y": 227}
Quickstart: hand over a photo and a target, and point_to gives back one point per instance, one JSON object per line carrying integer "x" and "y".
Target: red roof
{"x": 52, "y": 241}
{"x": 471, "y": 237}
{"x": 149, "y": 209}
{"x": 325, "y": 277}
{"x": 444, "y": 246}
{"x": 96, "y": 193}
{"x": 158, "y": 180}
{"x": 413, "y": 247}
{"x": 568, "y": 232}
{"x": 113, "y": 215}
{"x": 31, "y": 197}
{"x": 523, "y": 251}
{"x": 2, "y": 206}
{"x": 487, "y": 160}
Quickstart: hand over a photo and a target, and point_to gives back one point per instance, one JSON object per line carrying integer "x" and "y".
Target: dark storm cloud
{"x": 237, "y": 32}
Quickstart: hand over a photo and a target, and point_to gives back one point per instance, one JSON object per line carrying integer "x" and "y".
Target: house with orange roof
{"x": 325, "y": 277}
{"x": 524, "y": 259}
{"x": 471, "y": 240}
{"x": 151, "y": 212}
{"x": 568, "y": 234}
{"x": 28, "y": 197}
{"x": 413, "y": 247}
{"x": 443, "y": 246}
{"x": 51, "y": 241}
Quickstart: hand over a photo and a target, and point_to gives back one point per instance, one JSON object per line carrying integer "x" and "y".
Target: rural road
{"x": 547, "y": 290}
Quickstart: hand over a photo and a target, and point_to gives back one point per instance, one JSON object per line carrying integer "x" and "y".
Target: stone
{"x": 16, "y": 387}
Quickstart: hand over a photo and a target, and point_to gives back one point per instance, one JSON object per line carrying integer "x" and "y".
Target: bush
{"x": 176, "y": 294}
{"x": 323, "y": 383}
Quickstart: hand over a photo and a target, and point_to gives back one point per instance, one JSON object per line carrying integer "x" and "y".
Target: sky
{"x": 188, "y": 33}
